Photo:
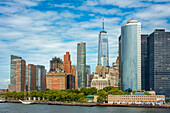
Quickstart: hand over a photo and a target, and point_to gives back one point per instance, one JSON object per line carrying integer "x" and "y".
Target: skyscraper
{"x": 17, "y": 74}
{"x": 31, "y": 77}
{"x": 67, "y": 63}
{"x": 159, "y": 61}
{"x": 56, "y": 64}
{"x": 81, "y": 65}
{"x": 131, "y": 55}
{"x": 144, "y": 63}
{"x": 103, "y": 48}
{"x": 40, "y": 77}
{"x": 56, "y": 78}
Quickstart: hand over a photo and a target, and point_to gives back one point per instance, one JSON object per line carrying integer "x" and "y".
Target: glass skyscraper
{"x": 159, "y": 61}
{"x": 103, "y": 48}
{"x": 131, "y": 55}
{"x": 40, "y": 78}
{"x": 81, "y": 65}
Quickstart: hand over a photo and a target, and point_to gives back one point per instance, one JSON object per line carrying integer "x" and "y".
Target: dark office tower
{"x": 159, "y": 61}
{"x": 103, "y": 48}
{"x": 56, "y": 64}
{"x": 144, "y": 63}
{"x": 70, "y": 81}
{"x": 17, "y": 74}
{"x": 81, "y": 64}
{"x": 40, "y": 77}
{"x": 120, "y": 68}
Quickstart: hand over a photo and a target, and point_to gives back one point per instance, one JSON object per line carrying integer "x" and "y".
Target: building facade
{"x": 67, "y": 63}
{"x": 159, "y": 61}
{"x": 17, "y": 74}
{"x": 56, "y": 64}
{"x": 70, "y": 81}
{"x": 31, "y": 77}
{"x": 131, "y": 55}
{"x": 137, "y": 99}
{"x": 103, "y": 47}
{"x": 40, "y": 78}
{"x": 56, "y": 80}
{"x": 144, "y": 63}
{"x": 81, "y": 65}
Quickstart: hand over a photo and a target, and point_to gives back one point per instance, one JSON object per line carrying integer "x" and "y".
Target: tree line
{"x": 74, "y": 95}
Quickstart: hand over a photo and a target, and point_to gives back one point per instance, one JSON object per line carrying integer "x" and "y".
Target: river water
{"x": 37, "y": 108}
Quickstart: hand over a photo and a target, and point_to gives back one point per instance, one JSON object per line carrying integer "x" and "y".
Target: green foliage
{"x": 116, "y": 91}
{"x": 102, "y": 96}
{"x": 108, "y": 88}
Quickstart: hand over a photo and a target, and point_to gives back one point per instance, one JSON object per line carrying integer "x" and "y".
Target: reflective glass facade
{"x": 81, "y": 65}
{"x": 103, "y": 50}
{"x": 159, "y": 61}
{"x": 131, "y": 55}
{"x": 13, "y": 69}
{"x": 40, "y": 78}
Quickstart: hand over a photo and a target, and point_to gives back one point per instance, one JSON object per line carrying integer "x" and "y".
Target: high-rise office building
{"x": 56, "y": 64}
{"x": 144, "y": 63}
{"x": 120, "y": 66}
{"x": 40, "y": 77}
{"x": 70, "y": 81}
{"x": 131, "y": 55}
{"x": 17, "y": 74}
{"x": 88, "y": 70}
{"x": 159, "y": 61}
{"x": 56, "y": 79}
{"x": 30, "y": 77}
{"x": 103, "y": 48}
{"x": 67, "y": 63}
{"x": 81, "y": 65}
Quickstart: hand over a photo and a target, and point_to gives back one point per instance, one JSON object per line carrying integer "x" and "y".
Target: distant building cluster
{"x": 143, "y": 63}
{"x": 26, "y": 77}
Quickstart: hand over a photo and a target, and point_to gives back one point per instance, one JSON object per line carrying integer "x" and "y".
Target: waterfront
{"x": 37, "y": 108}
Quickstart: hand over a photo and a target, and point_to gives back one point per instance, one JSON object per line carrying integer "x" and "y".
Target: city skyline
{"x": 39, "y": 30}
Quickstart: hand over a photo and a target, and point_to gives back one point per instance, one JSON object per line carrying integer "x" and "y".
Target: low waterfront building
{"x": 3, "y": 90}
{"x": 136, "y": 99}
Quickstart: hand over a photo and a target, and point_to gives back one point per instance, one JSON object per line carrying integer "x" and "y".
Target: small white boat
{"x": 26, "y": 102}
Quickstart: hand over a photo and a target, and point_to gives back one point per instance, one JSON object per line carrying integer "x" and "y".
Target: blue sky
{"x": 38, "y": 30}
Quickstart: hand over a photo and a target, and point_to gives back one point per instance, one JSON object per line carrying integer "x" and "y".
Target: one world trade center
{"x": 103, "y": 50}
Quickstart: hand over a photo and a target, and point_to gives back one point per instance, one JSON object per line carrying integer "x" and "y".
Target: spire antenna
{"x": 103, "y": 24}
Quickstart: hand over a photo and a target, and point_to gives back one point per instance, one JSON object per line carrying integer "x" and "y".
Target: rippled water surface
{"x": 36, "y": 108}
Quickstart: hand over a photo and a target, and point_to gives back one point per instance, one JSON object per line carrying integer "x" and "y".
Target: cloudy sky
{"x": 38, "y": 30}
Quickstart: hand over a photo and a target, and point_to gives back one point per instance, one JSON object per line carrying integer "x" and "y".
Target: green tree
{"x": 108, "y": 88}
{"x": 84, "y": 90}
{"x": 116, "y": 91}
{"x": 102, "y": 96}
{"x": 81, "y": 97}
{"x": 91, "y": 91}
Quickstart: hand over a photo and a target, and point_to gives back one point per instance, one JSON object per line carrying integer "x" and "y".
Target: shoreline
{"x": 89, "y": 104}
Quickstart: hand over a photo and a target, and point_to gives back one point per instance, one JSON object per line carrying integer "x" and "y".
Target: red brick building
{"x": 31, "y": 77}
{"x": 67, "y": 63}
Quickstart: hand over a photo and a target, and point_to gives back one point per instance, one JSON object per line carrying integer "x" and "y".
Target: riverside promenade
{"x": 91, "y": 104}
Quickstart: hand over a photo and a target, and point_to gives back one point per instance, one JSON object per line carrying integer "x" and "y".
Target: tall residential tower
{"x": 81, "y": 65}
